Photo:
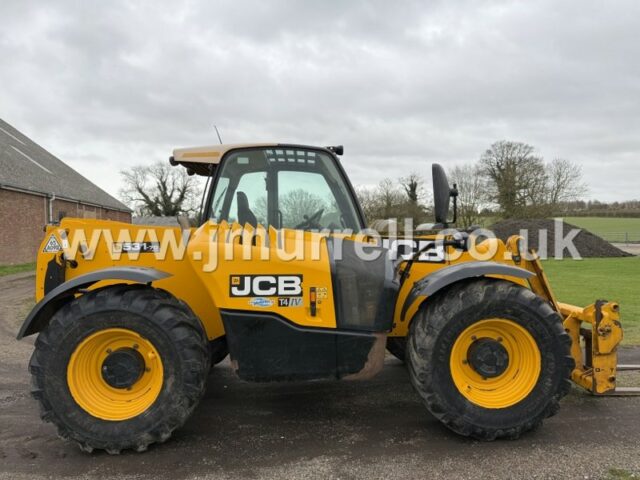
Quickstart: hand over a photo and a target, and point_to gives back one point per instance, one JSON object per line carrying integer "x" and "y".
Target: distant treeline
{"x": 509, "y": 180}
{"x": 595, "y": 208}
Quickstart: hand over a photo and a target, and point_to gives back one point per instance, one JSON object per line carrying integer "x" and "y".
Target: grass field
{"x": 611, "y": 229}
{"x": 581, "y": 282}
{"x": 9, "y": 269}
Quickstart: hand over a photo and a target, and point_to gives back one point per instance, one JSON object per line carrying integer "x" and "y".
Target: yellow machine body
{"x": 202, "y": 277}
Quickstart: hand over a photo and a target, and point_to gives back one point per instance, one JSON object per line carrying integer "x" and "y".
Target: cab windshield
{"x": 284, "y": 188}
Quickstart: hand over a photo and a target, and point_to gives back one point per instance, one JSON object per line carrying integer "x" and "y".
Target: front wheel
{"x": 120, "y": 368}
{"x": 489, "y": 358}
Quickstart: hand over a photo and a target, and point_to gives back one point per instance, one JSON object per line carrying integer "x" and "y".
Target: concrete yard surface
{"x": 342, "y": 430}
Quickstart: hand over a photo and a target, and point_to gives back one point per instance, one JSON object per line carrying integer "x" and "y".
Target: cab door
{"x": 283, "y": 207}
{"x": 296, "y": 300}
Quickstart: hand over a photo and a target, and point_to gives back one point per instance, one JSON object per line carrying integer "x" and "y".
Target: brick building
{"x": 36, "y": 188}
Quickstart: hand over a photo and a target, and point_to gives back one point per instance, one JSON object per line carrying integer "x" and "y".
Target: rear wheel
{"x": 489, "y": 358}
{"x": 120, "y": 368}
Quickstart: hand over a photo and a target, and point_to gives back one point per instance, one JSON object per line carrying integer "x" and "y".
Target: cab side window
{"x": 249, "y": 200}
{"x": 306, "y": 201}
{"x": 284, "y": 188}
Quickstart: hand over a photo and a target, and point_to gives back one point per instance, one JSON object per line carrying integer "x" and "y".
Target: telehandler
{"x": 282, "y": 275}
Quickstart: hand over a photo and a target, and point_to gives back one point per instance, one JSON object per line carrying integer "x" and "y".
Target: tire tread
{"x": 174, "y": 317}
{"x": 434, "y": 315}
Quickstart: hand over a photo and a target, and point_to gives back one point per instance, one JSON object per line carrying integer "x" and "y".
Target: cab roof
{"x": 212, "y": 153}
{"x": 200, "y": 160}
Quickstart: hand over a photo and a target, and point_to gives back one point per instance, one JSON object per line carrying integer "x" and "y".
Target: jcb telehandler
{"x": 282, "y": 275}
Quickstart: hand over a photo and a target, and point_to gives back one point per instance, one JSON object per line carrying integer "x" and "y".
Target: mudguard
{"x": 39, "y": 317}
{"x": 430, "y": 284}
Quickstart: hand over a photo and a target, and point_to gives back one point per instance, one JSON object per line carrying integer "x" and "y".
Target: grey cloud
{"x": 108, "y": 84}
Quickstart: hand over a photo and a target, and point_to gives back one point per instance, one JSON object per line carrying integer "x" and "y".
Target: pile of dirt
{"x": 587, "y": 244}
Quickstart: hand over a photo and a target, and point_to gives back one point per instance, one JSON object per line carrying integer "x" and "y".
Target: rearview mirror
{"x": 441, "y": 195}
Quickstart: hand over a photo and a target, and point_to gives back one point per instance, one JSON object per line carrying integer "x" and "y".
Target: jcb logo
{"x": 265, "y": 285}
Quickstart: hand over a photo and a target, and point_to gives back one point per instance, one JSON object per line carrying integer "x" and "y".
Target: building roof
{"x": 25, "y": 165}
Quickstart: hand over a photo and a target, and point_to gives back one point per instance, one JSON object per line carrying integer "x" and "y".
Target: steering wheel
{"x": 312, "y": 221}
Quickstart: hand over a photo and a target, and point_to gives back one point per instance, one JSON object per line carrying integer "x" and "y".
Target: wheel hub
{"x": 488, "y": 357}
{"x": 495, "y": 363}
{"x": 123, "y": 368}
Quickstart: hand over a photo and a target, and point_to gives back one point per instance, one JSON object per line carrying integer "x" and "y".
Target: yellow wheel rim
{"x": 509, "y": 386}
{"x": 90, "y": 389}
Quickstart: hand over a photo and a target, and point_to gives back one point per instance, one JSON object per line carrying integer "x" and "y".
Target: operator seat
{"x": 245, "y": 215}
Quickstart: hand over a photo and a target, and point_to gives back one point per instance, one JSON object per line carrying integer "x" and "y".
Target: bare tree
{"x": 522, "y": 184}
{"x": 390, "y": 198}
{"x": 399, "y": 200}
{"x": 382, "y": 202}
{"x": 367, "y": 198}
{"x": 516, "y": 178}
{"x": 413, "y": 187}
{"x": 298, "y": 203}
{"x": 471, "y": 193}
{"x": 565, "y": 182}
{"x": 160, "y": 190}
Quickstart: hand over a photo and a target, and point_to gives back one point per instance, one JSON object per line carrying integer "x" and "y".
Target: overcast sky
{"x": 107, "y": 85}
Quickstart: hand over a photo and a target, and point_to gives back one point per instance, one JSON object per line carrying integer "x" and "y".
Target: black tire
{"x": 166, "y": 322}
{"x": 397, "y": 347}
{"x": 443, "y": 318}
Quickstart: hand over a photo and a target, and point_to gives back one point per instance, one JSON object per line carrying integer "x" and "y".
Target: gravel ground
{"x": 632, "y": 248}
{"x": 374, "y": 429}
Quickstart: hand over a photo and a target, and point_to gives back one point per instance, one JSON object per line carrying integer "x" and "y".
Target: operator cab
{"x": 283, "y": 186}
